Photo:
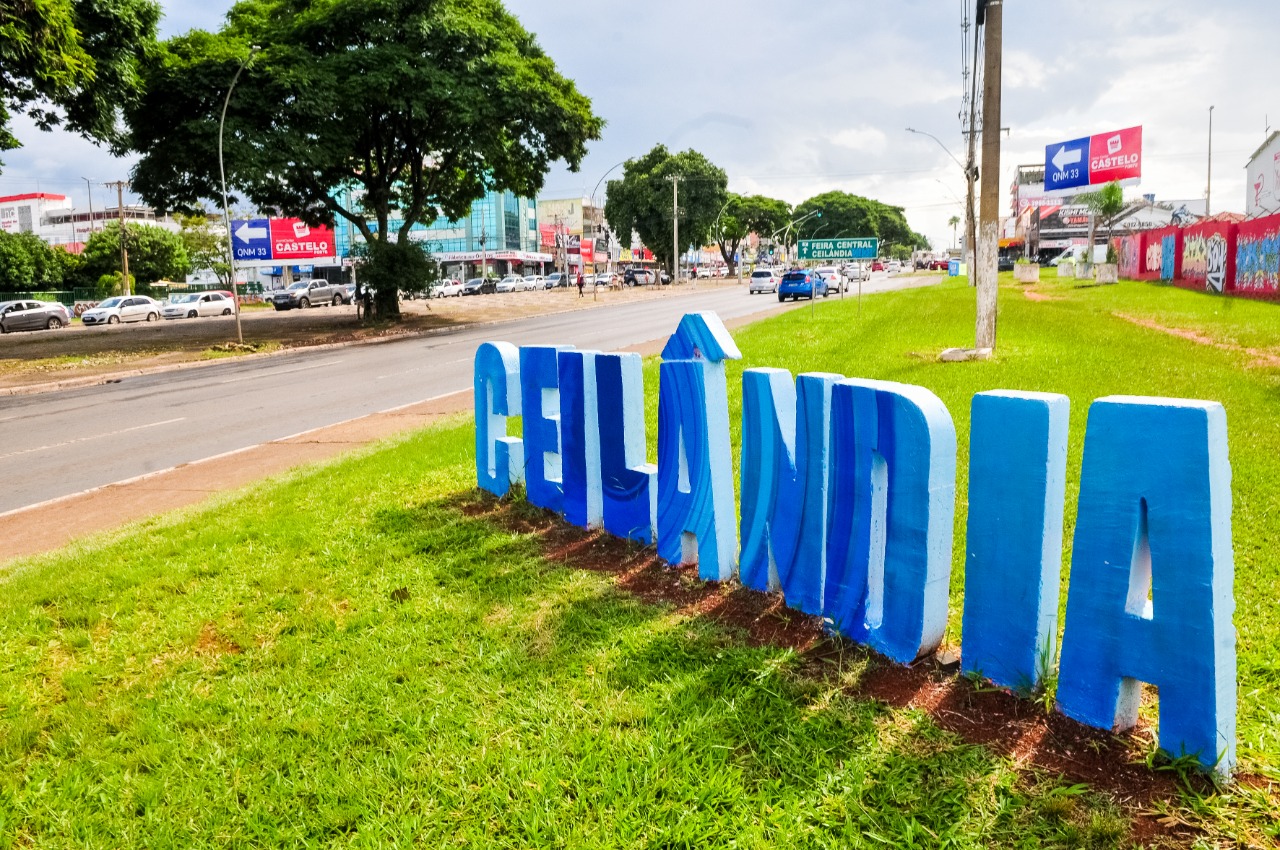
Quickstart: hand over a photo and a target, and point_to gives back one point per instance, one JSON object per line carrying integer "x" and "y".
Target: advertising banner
{"x": 1115, "y": 156}
{"x": 587, "y": 250}
{"x": 294, "y": 239}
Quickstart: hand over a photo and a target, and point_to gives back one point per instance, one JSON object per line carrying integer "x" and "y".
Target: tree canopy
{"x": 641, "y": 200}
{"x": 402, "y": 111}
{"x": 847, "y": 215}
{"x": 154, "y": 254}
{"x": 29, "y": 263}
{"x": 72, "y": 61}
{"x": 743, "y": 215}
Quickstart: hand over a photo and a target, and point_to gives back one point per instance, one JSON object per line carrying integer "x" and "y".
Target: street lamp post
{"x": 226, "y": 207}
{"x": 970, "y": 219}
{"x": 1208, "y": 191}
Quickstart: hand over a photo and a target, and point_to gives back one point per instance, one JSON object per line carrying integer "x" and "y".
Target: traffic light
{"x": 770, "y": 250}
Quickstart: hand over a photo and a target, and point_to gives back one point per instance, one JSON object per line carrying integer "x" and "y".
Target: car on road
{"x": 308, "y": 293}
{"x": 764, "y": 280}
{"x": 856, "y": 271}
{"x": 835, "y": 281}
{"x": 447, "y": 288}
{"x": 639, "y": 277}
{"x": 1004, "y": 264}
{"x": 195, "y": 304}
{"x": 534, "y": 282}
{"x": 802, "y": 283}
{"x": 606, "y": 279}
{"x": 556, "y": 279}
{"x": 123, "y": 308}
{"x": 510, "y": 283}
{"x": 877, "y": 265}
{"x": 480, "y": 286}
{"x": 32, "y": 315}
{"x": 893, "y": 267}
{"x": 939, "y": 263}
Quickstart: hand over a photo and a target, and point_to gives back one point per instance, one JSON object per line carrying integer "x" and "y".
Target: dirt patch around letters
{"x": 1258, "y": 358}
{"x": 1040, "y": 743}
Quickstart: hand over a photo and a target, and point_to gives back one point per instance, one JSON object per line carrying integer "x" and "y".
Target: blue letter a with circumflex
{"x": 892, "y": 508}
{"x": 630, "y": 486}
{"x": 695, "y": 464}
{"x": 1150, "y": 596}
{"x": 499, "y": 458}
{"x": 785, "y": 438}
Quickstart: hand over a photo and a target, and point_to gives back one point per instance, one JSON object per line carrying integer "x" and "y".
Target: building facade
{"x": 55, "y": 220}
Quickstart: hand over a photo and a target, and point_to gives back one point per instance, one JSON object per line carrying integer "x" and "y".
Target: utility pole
{"x": 675, "y": 227}
{"x": 989, "y": 237}
{"x": 1208, "y": 191}
{"x": 89, "y": 186}
{"x": 124, "y": 247}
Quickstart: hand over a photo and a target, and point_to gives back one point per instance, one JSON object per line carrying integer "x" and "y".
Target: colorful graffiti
{"x": 1258, "y": 256}
{"x": 1169, "y": 257}
{"x": 1195, "y": 257}
{"x": 1130, "y": 256}
{"x": 1215, "y": 272}
{"x": 1155, "y": 251}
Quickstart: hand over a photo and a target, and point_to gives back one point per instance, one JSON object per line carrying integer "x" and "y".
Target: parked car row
{"x": 32, "y": 315}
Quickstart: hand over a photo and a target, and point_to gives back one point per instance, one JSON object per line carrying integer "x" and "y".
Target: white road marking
{"x": 275, "y": 372}
{"x": 93, "y": 437}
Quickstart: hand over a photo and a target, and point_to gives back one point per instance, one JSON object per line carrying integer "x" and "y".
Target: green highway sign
{"x": 838, "y": 249}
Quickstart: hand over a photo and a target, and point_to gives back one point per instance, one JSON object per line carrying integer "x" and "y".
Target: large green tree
{"x": 399, "y": 111}
{"x": 72, "y": 61}
{"x": 642, "y": 199}
{"x": 848, "y": 215}
{"x": 154, "y": 254}
{"x": 28, "y": 263}
{"x": 206, "y": 246}
{"x": 743, "y": 215}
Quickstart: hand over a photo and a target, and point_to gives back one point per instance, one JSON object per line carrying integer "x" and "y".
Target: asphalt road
{"x": 58, "y": 444}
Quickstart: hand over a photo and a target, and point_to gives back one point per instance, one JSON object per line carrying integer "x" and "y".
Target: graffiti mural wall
{"x": 1258, "y": 258}
{"x": 1208, "y": 257}
{"x": 1130, "y": 252}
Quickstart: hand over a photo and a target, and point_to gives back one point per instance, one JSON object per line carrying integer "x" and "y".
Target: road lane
{"x": 57, "y": 444}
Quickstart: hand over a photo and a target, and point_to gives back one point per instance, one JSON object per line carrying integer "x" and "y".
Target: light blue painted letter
{"x": 499, "y": 458}
{"x": 630, "y": 486}
{"x": 695, "y": 461}
{"x": 1150, "y": 597}
{"x": 580, "y": 433}
{"x": 785, "y": 438}
{"x": 1017, "y": 489}
{"x": 540, "y": 394}
{"x": 892, "y": 506}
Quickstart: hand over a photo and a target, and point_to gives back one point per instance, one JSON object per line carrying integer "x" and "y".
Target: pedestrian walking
{"x": 581, "y": 284}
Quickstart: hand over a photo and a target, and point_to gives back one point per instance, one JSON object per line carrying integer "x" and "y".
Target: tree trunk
{"x": 386, "y": 305}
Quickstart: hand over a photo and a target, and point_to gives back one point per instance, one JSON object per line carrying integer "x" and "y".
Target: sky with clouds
{"x": 796, "y": 99}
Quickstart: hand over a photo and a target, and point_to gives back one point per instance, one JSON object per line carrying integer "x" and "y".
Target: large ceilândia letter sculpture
{"x": 580, "y": 435}
{"x": 1013, "y": 562}
{"x": 892, "y": 507}
{"x": 540, "y": 406}
{"x": 1150, "y": 597}
{"x": 696, "y": 520}
{"x": 499, "y": 458}
{"x": 785, "y": 438}
{"x": 629, "y": 485}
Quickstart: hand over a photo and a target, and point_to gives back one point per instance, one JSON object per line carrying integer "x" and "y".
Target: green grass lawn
{"x": 350, "y": 656}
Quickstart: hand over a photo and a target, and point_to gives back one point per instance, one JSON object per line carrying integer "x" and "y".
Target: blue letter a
{"x": 1150, "y": 597}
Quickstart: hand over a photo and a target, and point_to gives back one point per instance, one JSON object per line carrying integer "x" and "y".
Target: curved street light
{"x": 226, "y": 208}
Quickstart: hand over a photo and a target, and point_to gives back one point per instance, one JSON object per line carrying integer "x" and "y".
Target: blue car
{"x": 802, "y": 283}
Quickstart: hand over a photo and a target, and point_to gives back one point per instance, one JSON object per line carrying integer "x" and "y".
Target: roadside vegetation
{"x": 368, "y": 653}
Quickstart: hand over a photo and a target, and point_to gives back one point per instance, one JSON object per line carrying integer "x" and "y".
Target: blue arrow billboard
{"x": 251, "y": 239}
{"x": 1066, "y": 165}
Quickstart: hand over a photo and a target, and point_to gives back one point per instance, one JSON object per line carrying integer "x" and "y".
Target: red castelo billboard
{"x": 1115, "y": 156}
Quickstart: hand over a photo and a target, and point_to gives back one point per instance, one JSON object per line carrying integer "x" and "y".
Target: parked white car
{"x": 447, "y": 289}
{"x": 123, "y": 308}
{"x": 510, "y": 283}
{"x": 764, "y": 280}
{"x": 196, "y": 304}
{"x": 534, "y": 281}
